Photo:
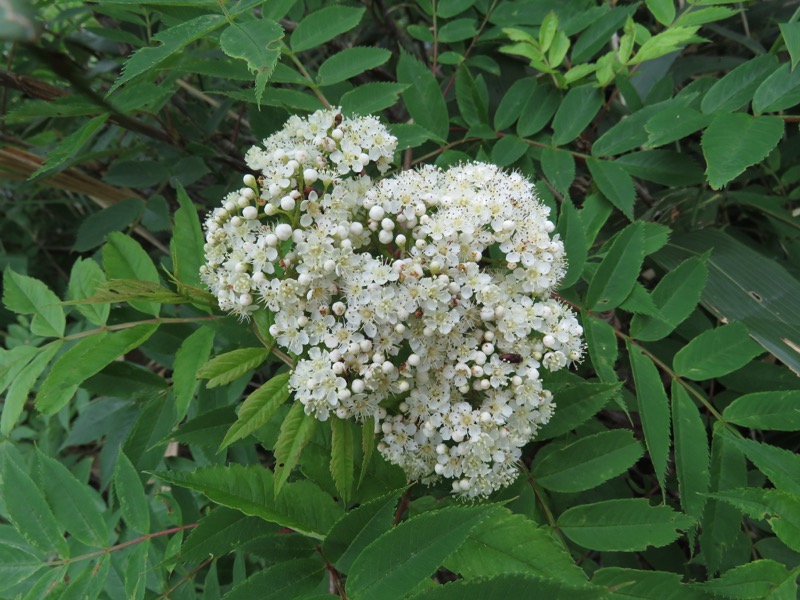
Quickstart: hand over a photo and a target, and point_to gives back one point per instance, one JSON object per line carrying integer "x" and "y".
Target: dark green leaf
{"x": 508, "y": 150}
{"x": 423, "y": 99}
{"x": 737, "y": 87}
{"x": 28, "y": 296}
{"x": 756, "y": 580}
{"x": 673, "y": 124}
{"x": 779, "y": 411}
{"x": 451, "y": 8}
{"x": 283, "y": 581}
{"x": 627, "y": 525}
{"x": 666, "y": 167}
{"x": 226, "y": 367}
{"x": 324, "y": 25}
{"x": 691, "y": 452}
{"x": 94, "y": 228}
{"x": 18, "y": 391}
{"x": 296, "y": 431}
{"x": 129, "y": 492}
{"x": 189, "y": 358}
{"x": 614, "y": 183}
{"x": 559, "y": 168}
{"x": 538, "y": 110}
{"x": 652, "y": 585}
{"x": 790, "y": 32}
{"x": 733, "y": 142}
{"x": 602, "y": 345}
{"x": 653, "y": 410}
{"x": 221, "y": 531}
{"x": 371, "y": 98}
{"x": 576, "y": 111}
{"x": 70, "y": 147}
{"x": 617, "y": 274}
{"x": 186, "y": 246}
{"x": 16, "y": 565}
{"x": 512, "y": 103}
{"x": 599, "y": 32}
{"x": 716, "y": 352}
{"x": 630, "y": 132}
{"x": 513, "y": 586}
{"x": 342, "y": 457}
{"x": 258, "y": 42}
{"x": 780, "y": 465}
{"x": 576, "y": 405}
{"x": 779, "y": 91}
{"x": 472, "y": 107}
{"x": 124, "y": 258}
{"x": 571, "y": 230}
{"x": 351, "y": 62}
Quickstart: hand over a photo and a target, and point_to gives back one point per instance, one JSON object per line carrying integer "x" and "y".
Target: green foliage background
{"x": 664, "y": 136}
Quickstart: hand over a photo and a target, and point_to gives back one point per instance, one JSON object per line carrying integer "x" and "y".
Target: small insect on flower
{"x": 514, "y": 359}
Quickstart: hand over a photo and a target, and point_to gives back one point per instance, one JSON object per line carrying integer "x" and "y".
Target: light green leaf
{"x": 74, "y": 504}
{"x": 614, "y": 183}
{"x": 301, "y": 506}
{"x": 675, "y": 296}
{"x": 691, "y": 452}
{"x": 424, "y": 99}
{"x": 736, "y": 88}
{"x": 575, "y": 466}
{"x": 28, "y": 296}
{"x": 171, "y": 40}
{"x": 705, "y": 15}
{"x": 12, "y": 362}
{"x": 130, "y": 494}
{"x": 324, "y": 25}
{"x": 733, "y": 142}
{"x": 510, "y": 543}
{"x": 665, "y": 42}
{"x": 70, "y": 147}
{"x": 358, "y": 529}
{"x": 85, "y": 280}
{"x": 777, "y": 411}
{"x": 21, "y": 385}
{"x": 627, "y": 525}
{"x": 190, "y": 357}
{"x": 351, "y": 62}
{"x": 780, "y": 465}
{"x": 779, "y": 91}
{"x": 286, "y": 580}
{"x": 716, "y": 352}
{"x": 296, "y": 431}
{"x": 16, "y": 565}
{"x": 790, "y": 32}
{"x": 578, "y": 108}
{"x": 86, "y": 358}
{"x": 617, "y": 274}
{"x": 26, "y": 508}
{"x": 258, "y": 42}
{"x": 756, "y": 580}
{"x": 186, "y": 246}
{"x": 663, "y": 10}
{"x": 226, "y": 367}
{"x": 124, "y": 258}
{"x": 653, "y": 410}
{"x": 371, "y": 98}
{"x": 342, "y": 458}
{"x": 258, "y": 408}
{"x": 398, "y": 561}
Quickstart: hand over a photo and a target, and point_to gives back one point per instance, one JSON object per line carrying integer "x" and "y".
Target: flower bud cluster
{"x": 421, "y": 300}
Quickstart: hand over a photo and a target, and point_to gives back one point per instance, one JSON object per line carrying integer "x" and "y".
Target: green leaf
{"x": 395, "y": 563}
{"x": 512, "y": 103}
{"x": 779, "y": 91}
{"x": 665, "y": 42}
{"x": 424, "y": 99}
{"x": 208, "y": 429}
{"x": 16, "y": 565}
{"x": 70, "y": 147}
{"x": 124, "y": 258}
{"x": 367, "y": 446}
{"x": 559, "y": 168}
{"x": 691, "y": 452}
{"x": 575, "y": 466}
{"x": 221, "y": 531}
{"x": 17, "y": 396}
{"x": 324, "y": 25}
{"x": 12, "y": 362}
{"x": 754, "y": 580}
{"x": 120, "y": 215}
{"x": 301, "y": 506}
{"x": 226, "y": 367}
{"x": 189, "y": 358}
{"x": 470, "y": 104}
{"x": 578, "y": 108}
{"x": 716, "y": 352}
{"x": 721, "y": 524}
{"x": 171, "y": 40}
{"x": 342, "y": 458}
{"x": 85, "y": 280}
{"x": 777, "y": 411}
{"x": 186, "y": 246}
{"x": 596, "y": 36}
{"x": 296, "y": 431}
{"x": 451, "y": 8}
{"x": 351, "y": 62}
{"x": 790, "y": 32}
{"x": 538, "y": 110}
{"x": 630, "y": 132}
{"x": 258, "y": 408}
{"x": 736, "y": 88}
{"x": 617, "y": 274}
{"x": 286, "y": 580}
{"x": 666, "y": 167}
{"x": 358, "y": 529}
{"x": 86, "y": 358}
{"x": 780, "y": 465}
{"x": 28, "y": 296}
{"x": 633, "y": 583}
{"x": 130, "y": 494}
{"x": 570, "y": 228}
{"x": 508, "y": 150}
{"x": 663, "y": 10}
{"x": 675, "y": 296}
{"x": 653, "y": 410}
{"x": 627, "y": 525}
{"x": 371, "y": 98}
{"x": 576, "y": 405}
{"x": 513, "y": 586}
{"x": 509, "y": 543}
{"x": 673, "y": 124}
{"x": 733, "y": 142}
{"x": 640, "y": 302}
{"x": 26, "y": 508}
{"x": 74, "y": 504}
{"x": 258, "y": 42}
{"x": 601, "y": 342}
{"x": 614, "y": 183}
{"x": 457, "y": 31}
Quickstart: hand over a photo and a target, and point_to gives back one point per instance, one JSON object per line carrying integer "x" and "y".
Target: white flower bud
{"x": 270, "y": 209}
{"x": 413, "y": 360}
{"x": 400, "y": 240}
{"x": 287, "y": 203}
{"x": 249, "y": 180}
{"x": 358, "y": 386}
{"x": 376, "y": 213}
{"x": 250, "y": 212}
{"x": 283, "y": 231}
{"x": 385, "y": 237}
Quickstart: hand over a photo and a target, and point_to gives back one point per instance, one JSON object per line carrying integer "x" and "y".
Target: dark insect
{"x": 511, "y": 358}
{"x": 337, "y": 120}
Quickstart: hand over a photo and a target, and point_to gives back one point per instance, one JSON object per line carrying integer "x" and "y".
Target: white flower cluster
{"x": 422, "y": 300}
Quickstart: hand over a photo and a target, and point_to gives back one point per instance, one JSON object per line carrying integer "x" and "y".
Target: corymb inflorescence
{"x": 423, "y": 299}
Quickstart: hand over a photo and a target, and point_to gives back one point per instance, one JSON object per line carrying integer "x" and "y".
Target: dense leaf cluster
{"x": 150, "y": 447}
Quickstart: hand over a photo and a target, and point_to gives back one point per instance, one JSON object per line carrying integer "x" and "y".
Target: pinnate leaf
{"x": 424, "y": 99}
{"x": 614, "y": 183}
{"x": 691, "y": 452}
{"x": 190, "y": 356}
{"x": 28, "y": 296}
{"x": 617, "y": 274}
{"x": 351, "y": 62}
{"x": 716, "y": 352}
{"x": 258, "y": 408}
{"x": 226, "y": 367}
{"x": 186, "y": 246}
{"x": 130, "y": 494}
{"x": 258, "y": 43}
{"x": 324, "y": 25}
{"x": 777, "y": 411}
{"x": 124, "y": 258}
{"x": 342, "y": 457}
{"x": 296, "y": 431}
